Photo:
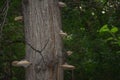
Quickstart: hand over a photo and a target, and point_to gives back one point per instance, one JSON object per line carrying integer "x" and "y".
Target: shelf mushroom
{"x": 23, "y": 63}
{"x": 18, "y": 18}
{"x": 67, "y": 66}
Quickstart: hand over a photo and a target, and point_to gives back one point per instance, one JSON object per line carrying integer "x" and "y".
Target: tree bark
{"x": 42, "y": 26}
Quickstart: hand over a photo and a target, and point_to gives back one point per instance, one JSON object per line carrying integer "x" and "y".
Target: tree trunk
{"x": 42, "y": 26}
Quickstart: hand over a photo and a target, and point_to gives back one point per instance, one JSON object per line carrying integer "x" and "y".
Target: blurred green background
{"x": 93, "y": 28}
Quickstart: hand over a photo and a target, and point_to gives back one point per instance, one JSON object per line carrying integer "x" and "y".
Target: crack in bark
{"x": 39, "y": 51}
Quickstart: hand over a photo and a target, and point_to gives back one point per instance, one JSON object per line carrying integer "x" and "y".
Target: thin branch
{"x": 3, "y": 11}
{"x": 4, "y": 19}
{"x": 3, "y": 6}
{"x": 5, "y": 15}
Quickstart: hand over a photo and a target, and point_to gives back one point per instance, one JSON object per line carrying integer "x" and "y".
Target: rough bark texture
{"x": 42, "y": 26}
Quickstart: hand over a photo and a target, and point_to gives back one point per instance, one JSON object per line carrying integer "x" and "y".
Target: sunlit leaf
{"x": 108, "y": 39}
{"x": 104, "y": 29}
{"x": 114, "y": 30}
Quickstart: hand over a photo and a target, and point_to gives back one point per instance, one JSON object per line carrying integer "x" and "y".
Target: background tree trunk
{"x": 42, "y": 26}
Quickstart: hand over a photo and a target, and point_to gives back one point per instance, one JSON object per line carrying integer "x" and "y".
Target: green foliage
{"x": 104, "y": 29}
{"x": 95, "y": 39}
{"x": 114, "y": 29}
{"x": 10, "y": 50}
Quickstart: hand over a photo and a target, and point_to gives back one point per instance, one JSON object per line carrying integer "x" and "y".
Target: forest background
{"x": 93, "y": 28}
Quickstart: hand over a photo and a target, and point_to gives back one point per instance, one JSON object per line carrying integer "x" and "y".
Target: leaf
{"x": 114, "y": 30}
{"x": 109, "y": 39}
{"x": 118, "y": 42}
{"x": 104, "y": 29}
